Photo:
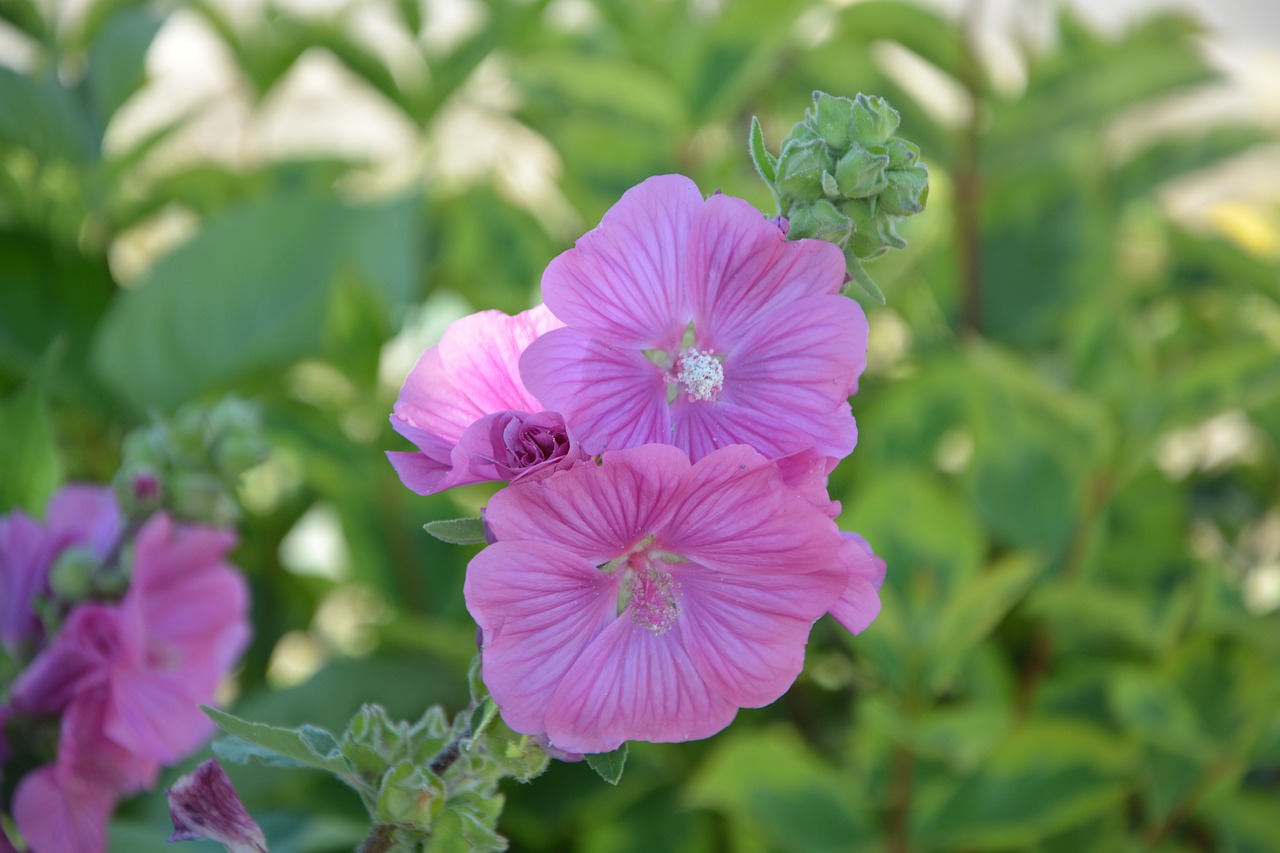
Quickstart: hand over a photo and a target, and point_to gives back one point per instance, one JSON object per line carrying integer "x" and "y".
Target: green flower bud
{"x": 800, "y": 170}
{"x": 832, "y": 118}
{"x": 410, "y": 796}
{"x": 237, "y": 453}
{"x": 71, "y": 577}
{"x": 861, "y": 173}
{"x": 907, "y": 192}
{"x": 865, "y": 242}
{"x": 199, "y": 496}
{"x": 888, "y": 233}
{"x": 874, "y": 121}
{"x": 819, "y": 220}
{"x": 902, "y": 153}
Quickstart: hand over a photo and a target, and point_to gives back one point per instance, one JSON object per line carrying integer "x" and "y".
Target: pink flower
{"x": 468, "y": 412}
{"x": 648, "y": 598}
{"x": 128, "y": 679}
{"x": 204, "y": 806}
{"x": 78, "y": 515}
{"x": 693, "y": 322}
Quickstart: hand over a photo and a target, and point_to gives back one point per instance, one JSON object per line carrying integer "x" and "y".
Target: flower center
{"x": 650, "y": 595}
{"x": 699, "y": 374}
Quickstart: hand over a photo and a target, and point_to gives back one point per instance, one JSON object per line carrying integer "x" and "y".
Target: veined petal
{"x": 472, "y": 372}
{"x": 633, "y": 684}
{"x": 537, "y": 606}
{"x": 859, "y": 604}
{"x": 611, "y": 397}
{"x": 741, "y": 268}
{"x": 624, "y": 280}
{"x": 419, "y": 472}
{"x": 596, "y": 512}
{"x": 738, "y": 516}
{"x": 746, "y": 632}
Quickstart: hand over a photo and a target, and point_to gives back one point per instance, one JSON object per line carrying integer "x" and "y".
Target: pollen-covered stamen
{"x": 651, "y": 596}
{"x": 699, "y": 374}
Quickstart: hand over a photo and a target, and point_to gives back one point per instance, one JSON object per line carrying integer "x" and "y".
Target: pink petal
{"x": 76, "y": 660}
{"x": 859, "y": 604}
{"x": 624, "y": 281}
{"x": 598, "y": 513}
{"x": 26, "y": 552}
{"x": 54, "y": 811}
{"x": 741, "y": 268}
{"x": 633, "y": 684}
{"x": 612, "y": 398}
{"x": 746, "y": 632}
{"x": 739, "y": 517}
{"x": 156, "y": 714}
{"x": 806, "y": 472}
{"x": 419, "y": 472}
{"x": 85, "y": 514}
{"x": 537, "y": 606}
{"x": 472, "y": 372}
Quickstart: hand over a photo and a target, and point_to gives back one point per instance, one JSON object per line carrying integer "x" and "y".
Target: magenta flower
{"x": 467, "y": 410}
{"x": 204, "y": 806}
{"x": 693, "y": 322}
{"x": 78, "y": 515}
{"x": 648, "y": 598}
{"x": 128, "y": 679}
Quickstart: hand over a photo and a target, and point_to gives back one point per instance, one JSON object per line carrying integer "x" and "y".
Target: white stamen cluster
{"x": 700, "y": 374}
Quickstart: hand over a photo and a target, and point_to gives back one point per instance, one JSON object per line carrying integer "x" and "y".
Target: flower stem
{"x": 381, "y": 837}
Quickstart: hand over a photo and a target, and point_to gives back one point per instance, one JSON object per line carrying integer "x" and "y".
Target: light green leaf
{"x": 609, "y": 764}
{"x": 117, "y": 59}
{"x": 306, "y": 745}
{"x": 766, "y": 163}
{"x": 27, "y": 455}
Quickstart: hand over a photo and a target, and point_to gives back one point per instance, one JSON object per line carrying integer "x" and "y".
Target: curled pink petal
{"x": 204, "y": 807}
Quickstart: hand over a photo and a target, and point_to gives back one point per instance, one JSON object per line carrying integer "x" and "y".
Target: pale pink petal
{"x": 595, "y": 512}
{"x": 26, "y": 552}
{"x": 55, "y": 812}
{"x": 86, "y": 752}
{"x": 807, "y": 473}
{"x": 739, "y": 517}
{"x": 859, "y": 604}
{"x": 472, "y": 372}
{"x": 419, "y": 472}
{"x": 742, "y": 268}
{"x": 611, "y": 397}
{"x": 633, "y": 684}
{"x": 77, "y": 659}
{"x": 624, "y": 281}
{"x": 537, "y": 606}
{"x": 746, "y": 632}
{"x": 85, "y": 514}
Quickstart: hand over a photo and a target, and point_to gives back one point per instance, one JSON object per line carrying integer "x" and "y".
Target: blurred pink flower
{"x": 648, "y": 598}
{"x": 78, "y": 515}
{"x": 128, "y": 679}
{"x": 693, "y": 322}
{"x": 466, "y": 409}
{"x": 203, "y": 806}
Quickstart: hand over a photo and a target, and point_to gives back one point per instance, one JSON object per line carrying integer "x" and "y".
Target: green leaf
{"x": 117, "y": 59}
{"x": 766, "y": 163}
{"x": 609, "y": 764}
{"x": 772, "y": 784}
{"x": 971, "y": 614}
{"x": 249, "y": 293}
{"x": 458, "y": 531}
{"x": 1045, "y": 778}
{"x": 27, "y": 455}
{"x": 858, "y": 273}
{"x": 308, "y": 746}
{"x": 41, "y": 115}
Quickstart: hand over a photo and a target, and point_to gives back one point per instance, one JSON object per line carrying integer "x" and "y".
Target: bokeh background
{"x": 1070, "y": 421}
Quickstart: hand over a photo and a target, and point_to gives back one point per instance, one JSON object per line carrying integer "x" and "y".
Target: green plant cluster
{"x": 1068, "y": 452}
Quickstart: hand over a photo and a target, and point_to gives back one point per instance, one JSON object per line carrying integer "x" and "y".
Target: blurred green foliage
{"x": 1076, "y": 652}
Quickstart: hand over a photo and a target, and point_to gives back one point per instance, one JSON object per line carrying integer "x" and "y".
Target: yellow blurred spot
{"x": 1247, "y": 226}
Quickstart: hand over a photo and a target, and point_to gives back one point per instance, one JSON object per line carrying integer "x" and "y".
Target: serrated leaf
{"x": 609, "y": 764}
{"x": 309, "y": 746}
{"x": 766, "y": 163}
{"x": 458, "y": 531}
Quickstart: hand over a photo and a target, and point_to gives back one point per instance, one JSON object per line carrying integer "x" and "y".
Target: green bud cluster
{"x": 190, "y": 464}
{"x": 842, "y": 176}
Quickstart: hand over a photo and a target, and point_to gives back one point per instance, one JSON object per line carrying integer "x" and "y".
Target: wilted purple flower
{"x": 204, "y": 807}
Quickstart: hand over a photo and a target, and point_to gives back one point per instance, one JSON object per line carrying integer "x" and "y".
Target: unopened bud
{"x": 819, "y": 220}
{"x": 874, "y": 121}
{"x": 832, "y": 118}
{"x": 861, "y": 173}
{"x": 204, "y": 807}
{"x": 71, "y": 578}
{"x": 907, "y": 192}
{"x": 801, "y": 167}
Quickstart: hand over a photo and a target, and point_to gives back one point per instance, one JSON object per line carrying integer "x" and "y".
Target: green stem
{"x": 968, "y": 180}
{"x": 381, "y": 837}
